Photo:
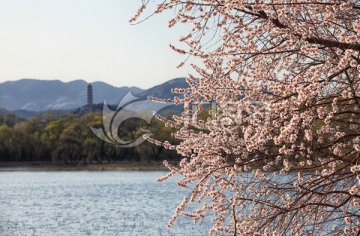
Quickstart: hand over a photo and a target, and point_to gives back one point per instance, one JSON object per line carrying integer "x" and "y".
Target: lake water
{"x": 91, "y": 203}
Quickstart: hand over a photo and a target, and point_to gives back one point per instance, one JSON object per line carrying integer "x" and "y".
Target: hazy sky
{"x": 86, "y": 39}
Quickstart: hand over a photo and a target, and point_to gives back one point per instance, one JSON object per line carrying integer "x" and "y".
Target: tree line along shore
{"x": 68, "y": 140}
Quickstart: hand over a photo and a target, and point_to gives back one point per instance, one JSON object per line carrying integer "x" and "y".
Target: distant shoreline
{"x": 112, "y": 166}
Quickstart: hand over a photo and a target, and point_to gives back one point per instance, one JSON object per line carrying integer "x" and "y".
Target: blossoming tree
{"x": 281, "y": 155}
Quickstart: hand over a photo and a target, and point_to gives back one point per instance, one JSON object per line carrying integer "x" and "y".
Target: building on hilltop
{"x": 90, "y": 101}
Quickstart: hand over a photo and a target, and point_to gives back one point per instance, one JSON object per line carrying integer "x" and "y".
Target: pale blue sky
{"x": 86, "y": 39}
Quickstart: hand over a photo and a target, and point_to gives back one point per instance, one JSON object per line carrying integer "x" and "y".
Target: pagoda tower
{"x": 89, "y": 96}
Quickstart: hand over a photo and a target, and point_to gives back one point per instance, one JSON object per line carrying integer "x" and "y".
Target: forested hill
{"x": 42, "y": 95}
{"x": 54, "y": 136}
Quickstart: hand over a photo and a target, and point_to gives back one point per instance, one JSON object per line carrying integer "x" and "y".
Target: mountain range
{"x": 27, "y": 96}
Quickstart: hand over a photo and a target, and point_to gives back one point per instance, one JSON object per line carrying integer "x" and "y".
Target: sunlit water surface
{"x": 91, "y": 203}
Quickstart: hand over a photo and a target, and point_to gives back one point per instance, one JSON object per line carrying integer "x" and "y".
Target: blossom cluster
{"x": 301, "y": 59}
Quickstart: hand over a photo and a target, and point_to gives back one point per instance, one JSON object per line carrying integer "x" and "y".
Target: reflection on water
{"x": 90, "y": 203}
